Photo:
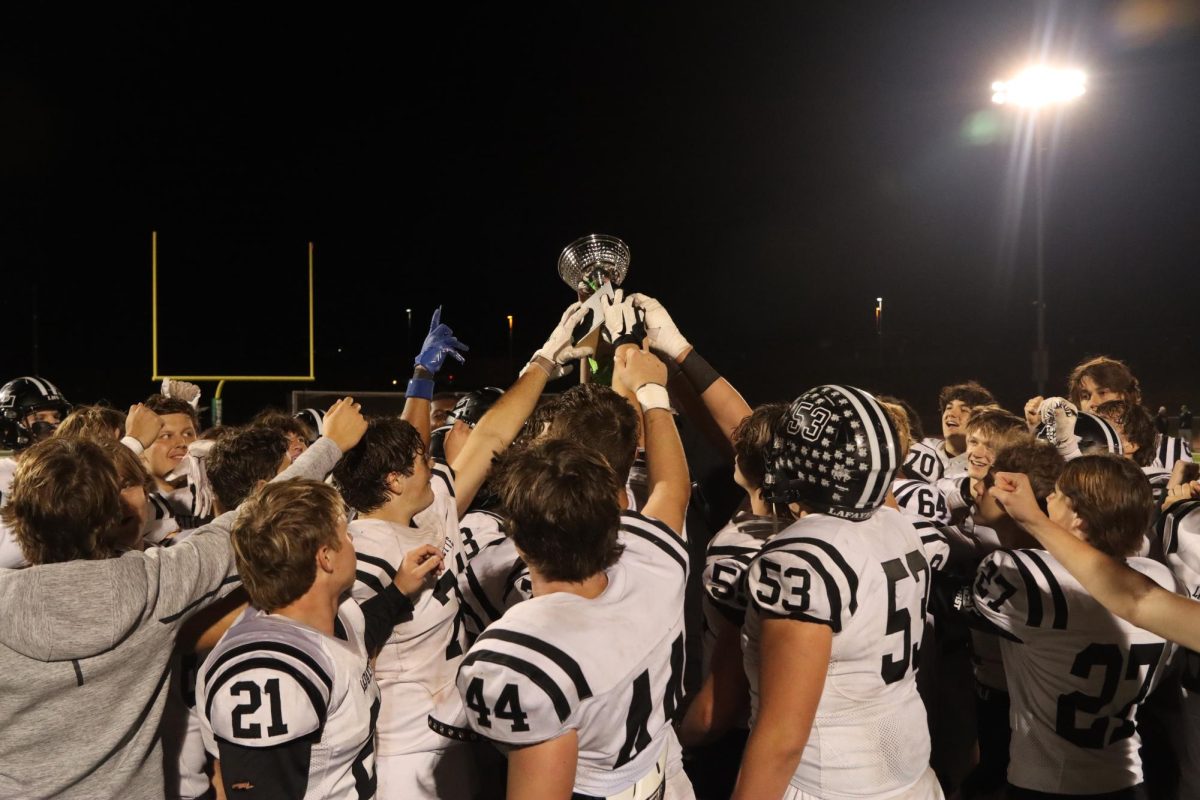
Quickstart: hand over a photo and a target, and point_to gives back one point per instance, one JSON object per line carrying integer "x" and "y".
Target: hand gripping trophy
{"x": 594, "y": 266}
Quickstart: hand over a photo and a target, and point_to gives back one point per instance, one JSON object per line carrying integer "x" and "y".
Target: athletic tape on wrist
{"x": 699, "y": 372}
{"x": 652, "y": 396}
{"x": 421, "y": 388}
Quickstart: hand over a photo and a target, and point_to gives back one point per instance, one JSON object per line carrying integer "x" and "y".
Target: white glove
{"x": 623, "y": 320}
{"x": 663, "y": 333}
{"x": 182, "y": 390}
{"x": 558, "y": 348}
{"x": 1058, "y": 415}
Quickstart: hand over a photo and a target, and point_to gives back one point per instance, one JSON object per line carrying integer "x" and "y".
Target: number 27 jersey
{"x": 869, "y": 582}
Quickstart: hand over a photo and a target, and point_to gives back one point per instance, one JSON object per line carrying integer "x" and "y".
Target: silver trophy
{"x": 588, "y": 263}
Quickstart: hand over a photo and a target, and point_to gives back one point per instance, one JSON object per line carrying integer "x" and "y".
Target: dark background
{"x": 773, "y": 166}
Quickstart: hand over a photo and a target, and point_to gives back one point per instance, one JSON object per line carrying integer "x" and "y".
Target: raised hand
{"x": 345, "y": 423}
{"x": 623, "y": 321}
{"x": 558, "y": 352}
{"x": 438, "y": 344}
{"x": 182, "y": 390}
{"x": 1014, "y": 493}
{"x": 663, "y": 332}
{"x": 142, "y": 424}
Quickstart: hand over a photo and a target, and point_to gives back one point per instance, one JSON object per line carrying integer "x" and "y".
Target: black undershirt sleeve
{"x": 383, "y": 612}
{"x": 265, "y": 773}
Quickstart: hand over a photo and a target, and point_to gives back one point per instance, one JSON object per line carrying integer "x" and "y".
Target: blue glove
{"x": 438, "y": 344}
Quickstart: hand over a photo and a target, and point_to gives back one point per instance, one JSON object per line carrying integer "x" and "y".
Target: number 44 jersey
{"x": 869, "y": 582}
{"x": 1076, "y": 673}
{"x": 611, "y": 667}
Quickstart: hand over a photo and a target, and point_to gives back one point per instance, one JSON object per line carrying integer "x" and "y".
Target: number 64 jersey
{"x": 610, "y": 667}
{"x": 869, "y": 582}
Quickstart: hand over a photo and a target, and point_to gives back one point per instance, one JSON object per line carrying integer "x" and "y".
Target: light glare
{"x": 1040, "y": 86}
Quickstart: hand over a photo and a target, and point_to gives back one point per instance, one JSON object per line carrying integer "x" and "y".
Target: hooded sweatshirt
{"x": 85, "y": 654}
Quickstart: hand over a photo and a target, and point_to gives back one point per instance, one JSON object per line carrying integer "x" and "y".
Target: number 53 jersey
{"x": 869, "y": 582}
{"x": 611, "y": 667}
{"x": 1076, "y": 673}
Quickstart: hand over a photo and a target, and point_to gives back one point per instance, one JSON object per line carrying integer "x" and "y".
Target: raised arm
{"x": 438, "y": 344}
{"x": 722, "y": 401}
{"x": 1124, "y": 591}
{"x": 501, "y": 424}
{"x": 670, "y": 485}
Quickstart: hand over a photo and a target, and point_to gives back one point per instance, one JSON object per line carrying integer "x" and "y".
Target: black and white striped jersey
{"x": 1170, "y": 449}
{"x": 290, "y": 711}
{"x": 926, "y": 460}
{"x": 869, "y": 582}
{"x": 1076, "y": 673}
{"x": 726, "y": 561}
{"x": 417, "y": 664}
{"x": 916, "y": 498}
{"x": 610, "y": 668}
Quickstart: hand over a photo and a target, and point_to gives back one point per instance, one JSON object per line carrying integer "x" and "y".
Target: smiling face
{"x": 980, "y": 454}
{"x": 954, "y": 422}
{"x": 171, "y": 445}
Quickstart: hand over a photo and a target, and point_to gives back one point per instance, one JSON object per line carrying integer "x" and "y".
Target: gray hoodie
{"x": 85, "y": 652}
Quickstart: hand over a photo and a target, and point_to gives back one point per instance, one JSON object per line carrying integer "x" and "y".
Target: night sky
{"x": 773, "y": 166}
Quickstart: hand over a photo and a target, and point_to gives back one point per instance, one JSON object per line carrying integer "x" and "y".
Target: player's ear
{"x": 325, "y": 558}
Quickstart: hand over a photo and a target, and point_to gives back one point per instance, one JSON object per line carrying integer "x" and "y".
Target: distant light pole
{"x": 879, "y": 316}
{"x": 1033, "y": 89}
{"x": 510, "y": 343}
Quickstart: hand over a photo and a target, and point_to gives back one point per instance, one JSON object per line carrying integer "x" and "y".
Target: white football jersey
{"x": 417, "y": 665}
{"x": 1076, "y": 673}
{"x": 869, "y": 582}
{"x": 919, "y": 499}
{"x": 272, "y": 681}
{"x": 726, "y": 560}
{"x": 495, "y": 578}
{"x": 1171, "y": 449}
{"x": 926, "y": 460}
{"x": 1179, "y": 532}
{"x": 610, "y": 668}
{"x": 8, "y": 468}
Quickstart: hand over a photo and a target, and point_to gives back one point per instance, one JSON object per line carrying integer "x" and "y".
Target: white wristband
{"x": 652, "y": 396}
{"x": 133, "y": 444}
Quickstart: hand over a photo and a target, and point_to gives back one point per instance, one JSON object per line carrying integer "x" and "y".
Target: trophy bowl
{"x": 586, "y": 263}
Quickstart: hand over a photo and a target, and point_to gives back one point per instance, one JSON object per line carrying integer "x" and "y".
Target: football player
{"x": 403, "y": 500}
{"x": 288, "y": 700}
{"x": 581, "y": 683}
{"x": 837, "y": 614}
{"x": 1076, "y": 674}
{"x": 929, "y": 460}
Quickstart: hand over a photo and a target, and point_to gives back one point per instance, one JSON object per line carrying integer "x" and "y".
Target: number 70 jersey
{"x": 869, "y": 582}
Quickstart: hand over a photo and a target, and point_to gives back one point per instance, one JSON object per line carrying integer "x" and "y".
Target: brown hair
{"x": 561, "y": 502}
{"x": 65, "y": 496}
{"x": 283, "y": 422}
{"x": 1106, "y": 373}
{"x": 277, "y": 536}
{"x": 389, "y": 445}
{"x": 1113, "y": 498}
{"x": 131, "y": 471}
{"x": 1037, "y": 459}
{"x": 1001, "y": 428}
{"x": 1136, "y": 426}
{"x": 750, "y": 440}
{"x": 98, "y": 422}
{"x": 163, "y": 405}
{"x": 915, "y": 431}
{"x": 242, "y": 458}
{"x": 599, "y": 416}
{"x": 900, "y": 421}
{"x": 970, "y": 394}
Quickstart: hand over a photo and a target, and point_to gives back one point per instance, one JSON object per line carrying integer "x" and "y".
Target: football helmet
{"x": 470, "y": 408}
{"x": 314, "y": 420}
{"x": 21, "y": 397}
{"x": 835, "y": 451}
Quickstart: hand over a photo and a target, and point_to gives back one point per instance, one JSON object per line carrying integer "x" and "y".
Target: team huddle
{"x": 531, "y": 595}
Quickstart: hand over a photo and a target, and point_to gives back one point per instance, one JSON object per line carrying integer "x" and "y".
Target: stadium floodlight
{"x": 1031, "y": 90}
{"x": 1039, "y": 86}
